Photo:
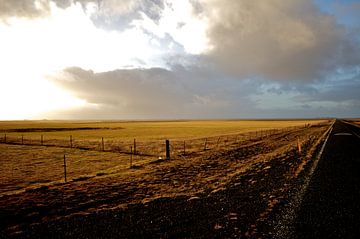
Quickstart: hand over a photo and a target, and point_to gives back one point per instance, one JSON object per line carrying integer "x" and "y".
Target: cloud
{"x": 347, "y": 12}
{"x": 118, "y": 15}
{"x": 277, "y": 39}
{"x": 195, "y": 51}
{"x": 156, "y": 93}
{"x": 196, "y": 92}
{"x": 337, "y": 97}
{"x": 110, "y": 14}
{"x": 34, "y": 8}
{"x": 273, "y": 40}
{"x": 23, "y": 8}
{"x": 336, "y": 91}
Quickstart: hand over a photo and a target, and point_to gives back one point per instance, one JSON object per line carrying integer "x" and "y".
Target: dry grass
{"x": 30, "y": 166}
{"x": 25, "y": 166}
{"x": 32, "y": 176}
{"x": 149, "y": 130}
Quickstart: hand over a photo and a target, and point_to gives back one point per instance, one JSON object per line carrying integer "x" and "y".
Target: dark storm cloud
{"x": 331, "y": 98}
{"x": 157, "y": 93}
{"x": 337, "y": 91}
{"x": 277, "y": 39}
{"x": 137, "y": 89}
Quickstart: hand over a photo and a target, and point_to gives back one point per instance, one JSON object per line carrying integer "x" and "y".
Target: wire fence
{"x": 149, "y": 147}
{"x": 47, "y": 163}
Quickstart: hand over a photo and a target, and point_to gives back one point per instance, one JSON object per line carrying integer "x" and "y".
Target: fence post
{"x": 42, "y": 140}
{"x": 102, "y": 143}
{"x": 65, "y": 168}
{"x": 205, "y": 144}
{"x": 131, "y": 156}
{"x": 299, "y": 145}
{"x": 71, "y": 143}
{"x": 184, "y": 148}
{"x": 167, "y": 143}
{"x": 217, "y": 143}
{"x": 134, "y": 146}
{"x": 5, "y": 138}
{"x": 22, "y": 139}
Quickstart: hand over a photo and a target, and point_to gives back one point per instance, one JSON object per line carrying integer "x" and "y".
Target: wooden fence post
{"x": 299, "y": 145}
{"x": 42, "y": 140}
{"x": 217, "y": 143}
{"x": 134, "y": 146}
{"x": 131, "y": 156}
{"x": 184, "y": 148}
{"x": 167, "y": 144}
{"x": 205, "y": 144}
{"x": 102, "y": 143}
{"x": 65, "y": 168}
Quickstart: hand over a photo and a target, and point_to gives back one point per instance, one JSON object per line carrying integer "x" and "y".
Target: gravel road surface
{"x": 331, "y": 205}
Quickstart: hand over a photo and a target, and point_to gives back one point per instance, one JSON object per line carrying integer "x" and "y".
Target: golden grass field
{"x": 143, "y": 130}
{"x": 29, "y": 165}
{"x": 32, "y": 175}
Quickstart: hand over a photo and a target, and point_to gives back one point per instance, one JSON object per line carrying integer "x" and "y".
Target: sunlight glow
{"x": 31, "y": 49}
{"x": 25, "y": 99}
{"x": 34, "y": 48}
{"x": 181, "y": 24}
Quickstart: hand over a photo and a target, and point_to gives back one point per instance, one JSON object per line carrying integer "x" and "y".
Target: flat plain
{"x": 106, "y": 178}
{"x": 145, "y": 130}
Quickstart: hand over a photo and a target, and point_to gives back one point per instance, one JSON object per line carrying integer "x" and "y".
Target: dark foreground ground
{"x": 253, "y": 204}
{"x": 331, "y": 205}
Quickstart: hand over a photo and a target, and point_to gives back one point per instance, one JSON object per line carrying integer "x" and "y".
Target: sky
{"x": 179, "y": 59}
